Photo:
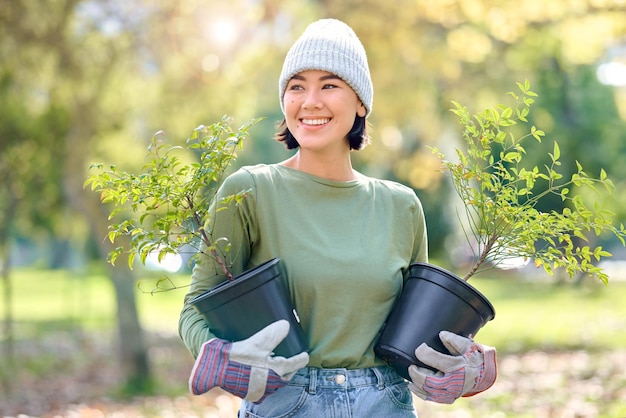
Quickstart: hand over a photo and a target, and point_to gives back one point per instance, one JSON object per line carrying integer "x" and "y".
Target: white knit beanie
{"x": 330, "y": 45}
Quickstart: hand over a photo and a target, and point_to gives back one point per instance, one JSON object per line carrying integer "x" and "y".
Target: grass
{"x": 536, "y": 314}
{"x": 66, "y": 299}
{"x": 553, "y": 316}
{"x": 60, "y": 298}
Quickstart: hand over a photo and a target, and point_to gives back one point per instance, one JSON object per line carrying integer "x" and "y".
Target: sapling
{"x": 170, "y": 200}
{"x": 501, "y": 195}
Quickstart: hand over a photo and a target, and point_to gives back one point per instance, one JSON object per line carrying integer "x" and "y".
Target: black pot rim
{"x": 230, "y": 289}
{"x": 447, "y": 279}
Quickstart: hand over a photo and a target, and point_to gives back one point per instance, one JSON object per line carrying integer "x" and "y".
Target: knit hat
{"x": 330, "y": 45}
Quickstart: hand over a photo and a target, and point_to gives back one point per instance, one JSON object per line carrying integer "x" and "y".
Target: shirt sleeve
{"x": 420, "y": 243}
{"x": 230, "y": 225}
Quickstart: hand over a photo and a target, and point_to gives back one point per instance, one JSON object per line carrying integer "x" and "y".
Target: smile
{"x": 315, "y": 122}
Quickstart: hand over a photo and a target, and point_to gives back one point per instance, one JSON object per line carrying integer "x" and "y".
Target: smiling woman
{"x": 346, "y": 241}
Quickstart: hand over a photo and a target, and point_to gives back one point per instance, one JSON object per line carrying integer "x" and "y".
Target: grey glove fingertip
{"x": 423, "y": 372}
{"x": 433, "y": 358}
{"x": 424, "y": 350}
{"x": 286, "y": 368}
{"x": 303, "y": 358}
{"x": 297, "y": 362}
{"x": 456, "y": 344}
{"x": 282, "y": 328}
{"x": 276, "y": 331}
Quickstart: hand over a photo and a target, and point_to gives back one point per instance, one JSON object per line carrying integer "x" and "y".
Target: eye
{"x": 295, "y": 87}
{"x": 329, "y": 86}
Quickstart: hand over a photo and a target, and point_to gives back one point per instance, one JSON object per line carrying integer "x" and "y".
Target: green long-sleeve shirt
{"x": 346, "y": 247}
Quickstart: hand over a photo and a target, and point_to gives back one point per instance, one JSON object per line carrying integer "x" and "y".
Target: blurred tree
{"x": 61, "y": 56}
{"x": 30, "y": 139}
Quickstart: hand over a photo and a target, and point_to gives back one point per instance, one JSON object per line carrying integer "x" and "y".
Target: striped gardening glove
{"x": 246, "y": 368}
{"x": 470, "y": 369}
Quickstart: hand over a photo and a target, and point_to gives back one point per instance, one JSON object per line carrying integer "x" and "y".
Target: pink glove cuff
{"x": 214, "y": 369}
{"x": 489, "y": 371}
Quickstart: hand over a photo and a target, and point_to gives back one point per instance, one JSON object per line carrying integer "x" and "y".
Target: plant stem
{"x": 207, "y": 241}
{"x": 483, "y": 256}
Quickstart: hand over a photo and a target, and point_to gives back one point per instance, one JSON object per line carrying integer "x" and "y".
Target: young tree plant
{"x": 501, "y": 195}
{"x": 167, "y": 205}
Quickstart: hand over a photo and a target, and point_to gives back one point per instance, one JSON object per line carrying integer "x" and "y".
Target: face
{"x": 320, "y": 109}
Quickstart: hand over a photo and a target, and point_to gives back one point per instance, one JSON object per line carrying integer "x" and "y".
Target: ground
{"x": 71, "y": 374}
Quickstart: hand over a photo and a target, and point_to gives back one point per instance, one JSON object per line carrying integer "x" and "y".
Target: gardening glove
{"x": 470, "y": 369}
{"x": 246, "y": 368}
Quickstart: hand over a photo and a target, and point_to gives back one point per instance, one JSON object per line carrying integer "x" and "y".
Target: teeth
{"x": 315, "y": 121}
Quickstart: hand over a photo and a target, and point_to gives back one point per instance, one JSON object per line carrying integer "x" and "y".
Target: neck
{"x": 331, "y": 168}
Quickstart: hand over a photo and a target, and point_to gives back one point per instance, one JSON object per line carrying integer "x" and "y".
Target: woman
{"x": 347, "y": 241}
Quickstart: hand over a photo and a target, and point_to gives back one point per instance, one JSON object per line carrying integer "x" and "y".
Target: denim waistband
{"x": 313, "y": 378}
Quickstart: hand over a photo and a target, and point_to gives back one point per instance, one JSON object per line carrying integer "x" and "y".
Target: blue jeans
{"x": 337, "y": 393}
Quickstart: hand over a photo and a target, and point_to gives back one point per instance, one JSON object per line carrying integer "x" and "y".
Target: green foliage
{"x": 170, "y": 199}
{"x": 500, "y": 195}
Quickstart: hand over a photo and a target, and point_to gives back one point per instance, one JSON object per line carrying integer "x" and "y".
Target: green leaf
{"x": 511, "y": 156}
{"x": 536, "y": 133}
{"x": 557, "y": 152}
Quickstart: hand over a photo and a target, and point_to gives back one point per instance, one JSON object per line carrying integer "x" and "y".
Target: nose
{"x": 312, "y": 100}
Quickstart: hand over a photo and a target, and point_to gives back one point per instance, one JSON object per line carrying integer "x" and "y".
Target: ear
{"x": 362, "y": 111}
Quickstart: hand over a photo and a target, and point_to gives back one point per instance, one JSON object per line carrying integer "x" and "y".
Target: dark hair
{"x": 357, "y": 137}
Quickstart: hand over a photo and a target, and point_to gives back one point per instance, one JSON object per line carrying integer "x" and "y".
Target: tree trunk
{"x": 132, "y": 346}
{"x": 133, "y": 353}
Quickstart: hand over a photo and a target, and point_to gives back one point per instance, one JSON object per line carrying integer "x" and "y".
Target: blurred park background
{"x": 92, "y": 80}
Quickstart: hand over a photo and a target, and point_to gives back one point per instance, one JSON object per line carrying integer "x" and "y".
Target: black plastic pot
{"x": 239, "y": 308}
{"x": 431, "y": 301}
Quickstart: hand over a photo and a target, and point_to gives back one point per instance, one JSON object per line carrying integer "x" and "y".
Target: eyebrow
{"x": 322, "y": 78}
